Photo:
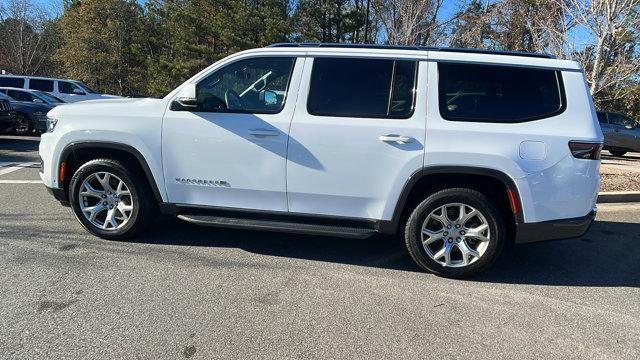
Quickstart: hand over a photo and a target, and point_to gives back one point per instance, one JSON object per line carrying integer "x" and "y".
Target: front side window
{"x": 43, "y": 85}
{"x": 353, "y": 87}
{"x": 20, "y": 95}
{"x": 257, "y": 85}
{"x": 12, "y": 82}
{"x": 66, "y": 87}
{"x": 498, "y": 94}
{"x": 619, "y": 119}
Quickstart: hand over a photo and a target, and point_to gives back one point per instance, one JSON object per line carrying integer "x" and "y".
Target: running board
{"x": 279, "y": 226}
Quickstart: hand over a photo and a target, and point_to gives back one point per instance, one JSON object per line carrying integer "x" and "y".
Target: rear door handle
{"x": 396, "y": 138}
{"x": 263, "y": 132}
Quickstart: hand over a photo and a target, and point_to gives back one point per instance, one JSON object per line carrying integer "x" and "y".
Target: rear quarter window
{"x": 12, "y": 82}
{"x": 498, "y": 94}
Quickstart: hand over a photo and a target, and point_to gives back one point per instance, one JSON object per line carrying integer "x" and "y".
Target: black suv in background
{"x": 8, "y": 119}
{"x": 621, "y": 133}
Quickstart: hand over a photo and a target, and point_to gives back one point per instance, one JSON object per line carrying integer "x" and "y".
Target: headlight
{"x": 51, "y": 123}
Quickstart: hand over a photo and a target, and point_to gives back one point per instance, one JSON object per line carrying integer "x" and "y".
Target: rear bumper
{"x": 554, "y": 229}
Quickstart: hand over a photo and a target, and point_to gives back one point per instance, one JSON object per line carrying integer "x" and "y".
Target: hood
{"x": 108, "y": 107}
{"x": 31, "y": 107}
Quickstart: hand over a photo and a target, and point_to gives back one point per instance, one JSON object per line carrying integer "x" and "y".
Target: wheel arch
{"x": 430, "y": 179}
{"x": 78, "y": 153}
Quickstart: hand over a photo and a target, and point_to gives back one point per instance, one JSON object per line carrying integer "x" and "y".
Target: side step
{"x": 279, "y": 226}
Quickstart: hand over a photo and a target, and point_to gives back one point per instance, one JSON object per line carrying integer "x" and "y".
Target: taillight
{"x": 585, "y": 150}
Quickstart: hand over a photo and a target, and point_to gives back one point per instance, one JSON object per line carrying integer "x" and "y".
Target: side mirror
{"x": 187, "y": 96}
{"x": 78, "y": 92}
{"x": 270, "y": 98}
{"x": 38, "y": 101}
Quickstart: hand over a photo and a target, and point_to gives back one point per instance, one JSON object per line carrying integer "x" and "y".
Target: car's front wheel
{"x": 109, "y": 200}
{"x": 24, "y": 126}
{"x": 455, "y": 233}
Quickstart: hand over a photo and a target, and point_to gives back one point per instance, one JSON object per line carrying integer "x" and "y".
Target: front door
{"x": 230, "y": 151}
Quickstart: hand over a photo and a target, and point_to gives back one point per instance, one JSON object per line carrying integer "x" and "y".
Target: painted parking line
{"x": 20, "y": 181}
{"x": 9, "y": 168}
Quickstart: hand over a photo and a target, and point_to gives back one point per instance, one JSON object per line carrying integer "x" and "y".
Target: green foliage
{"x": 99, "y": 42}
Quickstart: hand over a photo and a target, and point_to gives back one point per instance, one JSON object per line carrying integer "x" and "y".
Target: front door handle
{"x": 263, "y": 132}
{"x": 396, "y": 138}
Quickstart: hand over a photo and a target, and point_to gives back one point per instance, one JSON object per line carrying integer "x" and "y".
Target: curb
{"x": 618, "y": 197}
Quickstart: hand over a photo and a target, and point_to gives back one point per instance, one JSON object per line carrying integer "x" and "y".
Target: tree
{"x": 29, "y": 38}
{"x": 330, "y": 21}
{"x": 611, "y": 59}
{"x": 410, "y": 22}
{"x": 99, "y": 42}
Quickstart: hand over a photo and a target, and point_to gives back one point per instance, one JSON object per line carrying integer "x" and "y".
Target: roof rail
{"x": 415, "y": 47}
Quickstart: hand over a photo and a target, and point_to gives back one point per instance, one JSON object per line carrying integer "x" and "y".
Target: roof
{"x": 36, "y": 77}
{"x": 412, "y": 47}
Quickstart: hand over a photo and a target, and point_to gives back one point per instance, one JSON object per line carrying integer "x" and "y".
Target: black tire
{"x": 144, "y": 206}
{"x": 24, "y": 126}
{"x": 475, "y": 199}
{"x": 618, "y": 153}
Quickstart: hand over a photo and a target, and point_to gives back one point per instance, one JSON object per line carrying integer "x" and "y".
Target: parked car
{"x": 347, "y": 141}
{"x": 8, "y": 119}
{"x": 621, "y": 133}
{"x": 31, "y": 109}
{"x": 67, "y": 90}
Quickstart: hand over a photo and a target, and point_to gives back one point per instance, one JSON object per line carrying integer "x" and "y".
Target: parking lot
{"x": 182, "y": 291}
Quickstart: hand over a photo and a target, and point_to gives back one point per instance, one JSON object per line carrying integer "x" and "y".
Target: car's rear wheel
{"x": 109, "y": 200}
{"x": 618, "y": 153}
{"x": 455, "y": 233}
{"x": 24, "y": 125}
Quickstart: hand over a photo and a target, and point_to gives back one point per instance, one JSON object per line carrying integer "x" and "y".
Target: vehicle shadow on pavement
{"x": 12, "y": 147}
{"x": 607, "y": 255}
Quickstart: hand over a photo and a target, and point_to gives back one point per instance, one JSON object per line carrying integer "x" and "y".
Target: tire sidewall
{"x": 413, "y": 231}
{"x": 116, "y": 169}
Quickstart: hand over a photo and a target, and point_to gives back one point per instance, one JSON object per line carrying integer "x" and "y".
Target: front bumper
{"x": 8, "y": 121}
{"x": 554, "y": 229}
{"x": 59, "y": 195}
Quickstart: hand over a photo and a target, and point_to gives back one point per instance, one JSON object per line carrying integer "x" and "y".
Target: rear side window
{"x": 498, "y": 94}
{"x": 377, "y": 88}
{"x": 12, "y": 82}
{"x": 42, "y": 85}
{"x": 618, "y": 119}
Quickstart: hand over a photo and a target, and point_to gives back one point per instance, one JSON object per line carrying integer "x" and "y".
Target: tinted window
{"x": 66, "y": 87}
{"x": 618, "y": 119}
{"x": 20, "y": 95}
{"x": 44, "y": 85}
{"x": 602, "y": 117}
{"x": 256, "y": 85}
{"x": 12, "y": 82}
{"x": 501, "y": 94}
{"x": 362, "y": 87}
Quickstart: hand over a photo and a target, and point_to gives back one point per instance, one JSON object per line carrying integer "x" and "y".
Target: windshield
{"x": 85, "y": 87}
{"x": 47, "y": 97}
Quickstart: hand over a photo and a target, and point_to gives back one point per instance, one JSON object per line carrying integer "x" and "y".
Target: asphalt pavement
{"x": 182, "y": 291}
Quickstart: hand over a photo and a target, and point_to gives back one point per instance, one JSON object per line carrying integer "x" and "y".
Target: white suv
{"x": 462, "y": 151}
{"x": 67, "y": 90}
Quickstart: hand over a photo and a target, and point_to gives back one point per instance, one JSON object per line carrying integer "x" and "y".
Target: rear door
{"x": 356, "y": 136}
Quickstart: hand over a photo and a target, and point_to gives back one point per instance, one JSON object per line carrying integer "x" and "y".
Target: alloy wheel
{"x": 105, "y": 201}
{"x": 23, "y": 125}
{"x": 455, "y": 235}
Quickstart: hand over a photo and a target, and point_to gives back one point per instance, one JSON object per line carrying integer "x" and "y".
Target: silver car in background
{"x": 621, "y": 133}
